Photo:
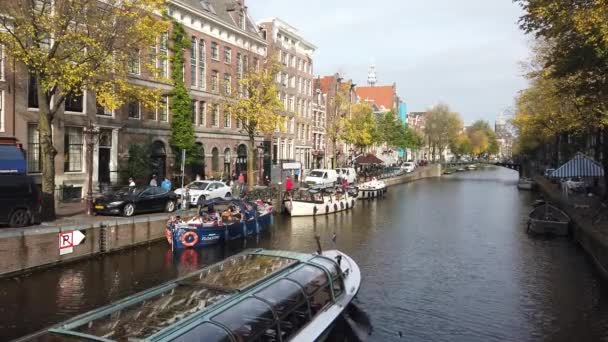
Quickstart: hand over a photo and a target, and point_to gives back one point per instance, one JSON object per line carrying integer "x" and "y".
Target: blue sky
{"x": 464, "y": 53}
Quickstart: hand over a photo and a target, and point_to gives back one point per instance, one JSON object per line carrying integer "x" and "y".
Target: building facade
{"x": 295, "y": 87}
{"x": 225, "y": 43}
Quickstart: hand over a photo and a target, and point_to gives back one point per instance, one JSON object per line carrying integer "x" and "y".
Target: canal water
{"x": 442, "y": 260}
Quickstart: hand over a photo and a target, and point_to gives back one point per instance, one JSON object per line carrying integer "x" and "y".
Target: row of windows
{"x": 299, "y": 106}
{"x": 158, "y": 57}
{"x": 302, "y": 85}
{"x": 295, "y": 62}
{"x": 303, "y": 132}
{"x": 73, "y": 140}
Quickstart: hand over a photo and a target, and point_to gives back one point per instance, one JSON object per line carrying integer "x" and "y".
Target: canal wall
{"x": 418, "y": 174}
{"x": 30, "y": 248}
{"x": 593, "y": 238}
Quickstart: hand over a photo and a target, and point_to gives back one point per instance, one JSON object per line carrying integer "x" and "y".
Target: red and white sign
{"x": 67, "y": 241}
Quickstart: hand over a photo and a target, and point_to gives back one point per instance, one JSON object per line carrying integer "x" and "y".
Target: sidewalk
{"x": 582, "y": 210}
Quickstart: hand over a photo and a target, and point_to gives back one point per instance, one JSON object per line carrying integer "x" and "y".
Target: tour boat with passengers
{"x": 225, "y": 219}
{"x": 257, "y": 295}
{"x": 321, "y": 201}
{"x": 372, "y": 189}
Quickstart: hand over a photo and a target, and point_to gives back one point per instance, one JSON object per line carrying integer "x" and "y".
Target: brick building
{"x": 295, "y": 83}
{"x": 225, "y": 43}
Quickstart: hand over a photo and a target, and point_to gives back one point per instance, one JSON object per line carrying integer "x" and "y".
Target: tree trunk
{"x": 334, "y": 158}
{"x": 250, "y": 166}
{"x": 48, "y": 153}
{"x": 605, "y": 160}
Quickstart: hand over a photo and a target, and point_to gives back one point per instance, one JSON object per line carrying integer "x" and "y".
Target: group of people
{"x": 165, "y": 184}
{"x": 230, "y": 215}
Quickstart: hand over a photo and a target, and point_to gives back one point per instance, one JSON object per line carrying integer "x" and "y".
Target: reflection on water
{"x": 442, "y": 260}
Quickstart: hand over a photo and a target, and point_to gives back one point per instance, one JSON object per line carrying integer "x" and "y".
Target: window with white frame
{"x": 201, "y": 65}
{"x": 32, "y": 92}
{"x": 73, "y": 148}
{"x": 215, "y": 115}
{"x": 227, "y": 84}
{"x": 133, "y": 63}
{"x": 134, "y": 110}
{"x": 193, "y": 58}
{"x": 227, "y": 55}
{"x": 193, "y": 108}
{"x": 214, "y": 81}
{"x": 34, "y": 162}
{"x": 163, "y": 108}
{"x": 2, "y": 62}
{"x": 202, "y": 112}
{"x": 214, "y": 51}
{"x": 74, "y": 102}
{"x": 103, "y": 111}
{"x": 226, "y": 119}
{"x": 164, "y": 55}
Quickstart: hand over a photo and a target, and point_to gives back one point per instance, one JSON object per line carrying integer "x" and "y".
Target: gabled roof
{"x": 221, "y": 9}
{"x": 382, "y": 96}
{"x": 325, "y": 82}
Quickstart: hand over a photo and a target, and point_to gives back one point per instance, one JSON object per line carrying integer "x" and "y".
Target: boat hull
{"x": 304, "y": 208}
{"x": 549, "y": 227}
{"x": 371, "y": 193}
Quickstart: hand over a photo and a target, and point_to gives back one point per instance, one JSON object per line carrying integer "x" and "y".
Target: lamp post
{"x": 91, "y": 134}
{"x": 261, "y": 152}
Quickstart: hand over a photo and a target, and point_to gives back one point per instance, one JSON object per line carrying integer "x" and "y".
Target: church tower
{"x": 371, "y": 76}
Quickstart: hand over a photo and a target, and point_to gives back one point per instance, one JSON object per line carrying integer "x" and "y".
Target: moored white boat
{"x": 320, "y": 202}
{"x": 525, "y": 184}
{"x": 371, "y": 189}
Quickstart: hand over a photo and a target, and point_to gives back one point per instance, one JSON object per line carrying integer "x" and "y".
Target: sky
{"x": 463, "y": 53}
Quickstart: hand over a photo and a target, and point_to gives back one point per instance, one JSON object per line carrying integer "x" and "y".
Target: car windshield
{"x": 317, "y": 173}
{"x": 198, "y": 185}
{"x": 126, "y": 191}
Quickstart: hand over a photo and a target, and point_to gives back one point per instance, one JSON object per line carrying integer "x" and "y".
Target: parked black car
{"x": 20, "y": 200}
{"x": 128, "y": 201}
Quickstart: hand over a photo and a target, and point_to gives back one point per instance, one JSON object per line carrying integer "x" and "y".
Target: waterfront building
{"x": 295, "y": 86}
{"x": 225, "y": 44}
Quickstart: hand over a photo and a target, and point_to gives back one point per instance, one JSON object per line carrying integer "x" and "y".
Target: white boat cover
{"x": 579, "y": 166}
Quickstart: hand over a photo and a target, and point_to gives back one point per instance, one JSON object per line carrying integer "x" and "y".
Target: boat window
{"x": 149, "y": 316}
{"x": 207, "y": 332}
{"x": 241, "y": 271}
{"x": 284, "y": 296}
{"x": 329, "y": 264}
{"x": 319, "y": 299}
{"x": 294, "y": 321}
{"x": 310, "y": 277}
{"x": 249, "y": 320}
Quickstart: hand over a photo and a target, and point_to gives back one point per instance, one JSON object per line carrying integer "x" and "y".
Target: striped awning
{"x": 579, "y": 166}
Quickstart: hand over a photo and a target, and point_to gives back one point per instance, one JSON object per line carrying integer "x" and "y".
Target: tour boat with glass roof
{"x": 257, "y": 295}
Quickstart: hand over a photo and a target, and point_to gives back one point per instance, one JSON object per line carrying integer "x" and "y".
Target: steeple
{"x": 371, "y": 76}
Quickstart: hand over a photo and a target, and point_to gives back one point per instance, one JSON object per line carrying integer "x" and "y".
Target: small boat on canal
{"x": 372, "y": 189}
{"x": 525, "y": 184}
{"x": 225, "y": 220}
{"x": 549, "y": 219}
{"x": 313, "y": 202}
{"x": 256, "y": 295}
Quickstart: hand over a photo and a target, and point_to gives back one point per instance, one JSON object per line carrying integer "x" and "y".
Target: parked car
{"x": 408, "y": 166}
{"x": 12, "y": 157}
{"x": 129, "y": 201}
{"x": 349, "y": 173}
{"x": 20, "y": 200}
{"x": 321, "y": 177}
{"x": 199, "y": 191}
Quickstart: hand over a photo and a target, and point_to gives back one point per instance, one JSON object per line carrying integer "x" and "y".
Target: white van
{"x": 321, "y": 177}
{"x": 349, "y": 173}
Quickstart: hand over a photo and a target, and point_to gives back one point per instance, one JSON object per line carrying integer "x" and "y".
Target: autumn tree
{"x": 442, "y": 126}
{"x": 360, "y": 128}
{"x": 257, "y": 108}
{"x": 461, "y": 146}
{"x": 337, "y": 109}
{"x": 482, "y": 138}
{"x": 75, "y": 45}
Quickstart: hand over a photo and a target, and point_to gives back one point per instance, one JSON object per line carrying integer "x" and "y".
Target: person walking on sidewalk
{"x": 166, "y": 184}
{"x": 241, "y": 182}
{"x": 288, "y": 186}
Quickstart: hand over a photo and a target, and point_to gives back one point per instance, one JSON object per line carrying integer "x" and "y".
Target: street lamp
{"x": 261, "y": 153}
{"x": 91, "y": 134}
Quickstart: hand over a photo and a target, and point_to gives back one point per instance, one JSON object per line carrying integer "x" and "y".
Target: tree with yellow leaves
{"x": 257, "y": 107}
{"x": 75, "y": 45}
{"x": 360, "y": 128}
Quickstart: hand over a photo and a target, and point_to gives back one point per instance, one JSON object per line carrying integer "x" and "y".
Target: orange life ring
{"x": 185, "y": 239}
